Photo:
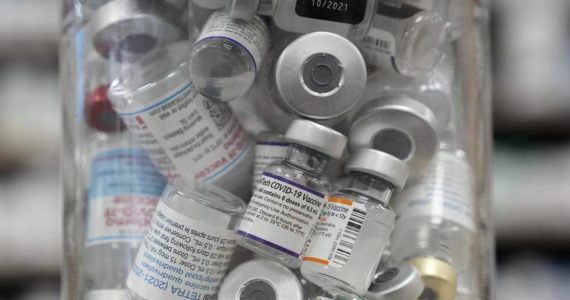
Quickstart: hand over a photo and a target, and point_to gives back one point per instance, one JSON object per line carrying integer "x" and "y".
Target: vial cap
{"x": 258, "y": 290}
{"x": 242, "y": 9}
{"x": 439, "y": 277}
{"x": 125, "y": 30}
{"x": 99, "y": 112}
{"x": 316, "y": 137}
{"x": 320, "y": 75}
{"x": 399, "y": 126}
{"x": 379, "y": 164}
{"x": 403, "y": 282}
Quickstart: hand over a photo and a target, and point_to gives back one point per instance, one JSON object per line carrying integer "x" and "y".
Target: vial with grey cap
{"x": 290, "y": 194}
{"x": 347, "y": 18}
{"x": 404, "y": 40}
{"x": 227, "y": 55}
{"x": 355, "y": 225}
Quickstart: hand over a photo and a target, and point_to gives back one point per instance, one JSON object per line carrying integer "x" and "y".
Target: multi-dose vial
{"x": 347, "y": 18}
{"x": 188, "y": 246}
{"x": 269, "y": 148}
{"x": 290, "y": 194}
{"x": 227, "y": 55}
{"x": 355, "y": 225}
{"x": 185, "y": 134}
{"x": 404, "y": 40}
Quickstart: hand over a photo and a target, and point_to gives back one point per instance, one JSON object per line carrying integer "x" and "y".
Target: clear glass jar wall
{"x": 276, "y": 149}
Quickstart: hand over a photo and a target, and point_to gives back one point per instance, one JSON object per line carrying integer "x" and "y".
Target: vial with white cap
{"x": 404, "y": 40}
{"x": 396, "y": 283}
{"x": 347, "y": 18}
{"x": 320, "y": 76}
{"x": 355, "y": 225}
{"x": 261, "y": 279}
{"x": 401, "y": 127}
{"x": 185, "y": 134}
{"x": 227, "y": 55}
{"x": 188, "y": 246}
{"x": 126, "y": 30}
{"x": 290, "y": 194}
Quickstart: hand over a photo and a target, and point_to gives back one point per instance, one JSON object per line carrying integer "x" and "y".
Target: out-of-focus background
{"x": 531, "y": 55}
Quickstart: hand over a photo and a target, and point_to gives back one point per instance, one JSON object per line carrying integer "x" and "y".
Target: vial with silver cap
{"x": 347, "y": 18}
{"x": 227, "y": 55}
{"x": 126, "y": 30}
{"x": 396, "y": 283}
{"x": 401, "y": 127}
{"x": 184, "y": 133}
{"x": 355, "y": 225}
{"x": 261, "y": 279}
{"x": 320, "y": 76}
{"x": 189, "y": 244}
{"x": 404, "y": 40}
{"x": 288, "y": 198}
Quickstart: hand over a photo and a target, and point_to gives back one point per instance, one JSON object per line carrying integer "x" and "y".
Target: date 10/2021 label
{"x": 344, "y": 11}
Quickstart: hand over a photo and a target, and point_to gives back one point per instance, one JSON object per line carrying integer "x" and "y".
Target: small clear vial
{"x": 270, "y": 147}
{"x": 346, "y": 18}
{"x": 404, "y": 40}
{"x": 261, "y": 279}
{"x": 227, "y": 55}
{"x": 355, "y": 225}
{"x": 288, "y": 198}
{"x": 188, "y": 246}
{"x": 185, "y": 134}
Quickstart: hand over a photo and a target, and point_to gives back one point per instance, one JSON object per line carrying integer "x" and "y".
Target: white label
{"x": 379, "y": 48}
{"x": 423, "y": 4}
{"x": 188, "y": 135}
{"x": 336, "y": 233}
{"x": 123, "y": 193}
{"x": 252, "y": 35}
{"x": 210, "y": 4}
{"x": 281, "y": 214}
{"x": 267, "y": 153}
{"x": 445, "y": 191}
{"x": 180, "y": 258}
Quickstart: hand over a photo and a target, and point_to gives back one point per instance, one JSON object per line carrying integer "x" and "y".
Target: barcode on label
{"x": 349, "y": 236}
{"x": 378, "y": 43}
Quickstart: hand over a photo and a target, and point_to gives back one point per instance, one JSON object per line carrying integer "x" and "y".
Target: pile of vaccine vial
{"x": 273, "y": 149}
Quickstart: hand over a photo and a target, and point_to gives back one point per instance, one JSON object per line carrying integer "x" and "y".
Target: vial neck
{"x": 370, "y": 186}
{"x": 306, "y": 159}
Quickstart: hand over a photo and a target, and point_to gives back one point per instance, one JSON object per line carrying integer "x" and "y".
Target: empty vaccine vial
{"x": 396, "y": 283}
{"x": 269, "y": 148}
{"x": 185, "y": 134}
{"x": 227, "y": 55}
{"x": 126, "y": 30}
{"x": 290, "y": 194}
{"x": 404, "y": 40}
{"x": 188, "y": 246}
{"x": 261, "y": 279}
{"x": 347, "y": 18}
{"x": 401, "y": 127}
{"x": 355, "y": 225}
{"x": 320, "y": 76}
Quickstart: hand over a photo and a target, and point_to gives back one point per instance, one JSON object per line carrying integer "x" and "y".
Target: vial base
{"x": 270, "y": 253}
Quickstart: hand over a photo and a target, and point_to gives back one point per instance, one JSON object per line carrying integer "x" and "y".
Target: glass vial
{"x": 185, "y": 134}
{"x": 355, "y": 225}
{"x": 227, "y": 55}
{"x": 188, "y": 246}
{"x": 269, "y": 148}
{"x": 347, "y": 18}
{"x": 404, "y": 40}
{"x": 288, "y": 199}
{"x": 261, "y": 279}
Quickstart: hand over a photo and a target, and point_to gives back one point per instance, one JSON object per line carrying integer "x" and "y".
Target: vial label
{"x": 267, "y": 153}
{"x": 336, "y": 233}
{"x": 210, "y": 4}
{"x": 252, "y": 35}
{"x": 445, "y": 191}
{"x": 180, "y": 258}
{"x": 344, "y": 11}
{"x": 379, "y": 48}
{"x": 188, "y": 135}
{"x": 123, "y": 192}
{"x": 281, "y": 214}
